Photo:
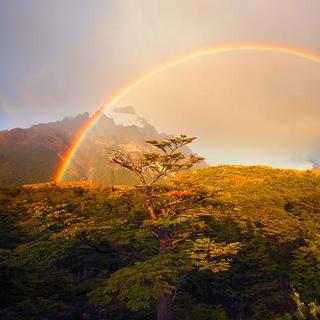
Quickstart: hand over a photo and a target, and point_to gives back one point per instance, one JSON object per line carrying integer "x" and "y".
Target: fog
{"x": 246, "y": 108}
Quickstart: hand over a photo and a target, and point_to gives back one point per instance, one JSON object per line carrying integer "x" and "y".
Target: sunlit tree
{"x": 174, "y": 226}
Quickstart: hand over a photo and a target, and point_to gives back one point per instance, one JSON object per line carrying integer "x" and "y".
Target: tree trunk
{"x": 165, "y": 308}
{"x": 165, "y": 302}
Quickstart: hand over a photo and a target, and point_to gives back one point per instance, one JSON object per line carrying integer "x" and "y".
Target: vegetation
{"x": 38, "y": 163}
{"x": 226, "y": 242}
{"x": 173, "y": 219}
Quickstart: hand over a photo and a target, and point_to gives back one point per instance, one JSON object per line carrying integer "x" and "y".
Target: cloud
{"x": 86, "y": 51}
{"x": 67, "y": 57}
{"x": 248, "y": 108}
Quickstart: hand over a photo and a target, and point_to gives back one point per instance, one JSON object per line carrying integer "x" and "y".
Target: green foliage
{"x": 303, "y": 310}
{"x": 145, "y": 281}
{"x": 154, "y": 166}
{"x": 306, "y": 269}
{"x": 206, "y": 254}
{"x": 174, "y": 214}
{"x": 38, "y": 164}
{"x": 63, "y": 246}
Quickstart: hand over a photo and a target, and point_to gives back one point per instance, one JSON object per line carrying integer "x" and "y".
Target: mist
{"x": 245, "y": 108}
{"x": 62, "y": 58}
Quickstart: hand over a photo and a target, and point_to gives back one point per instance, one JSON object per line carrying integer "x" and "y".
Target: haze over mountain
{"x": 33, "y": 154}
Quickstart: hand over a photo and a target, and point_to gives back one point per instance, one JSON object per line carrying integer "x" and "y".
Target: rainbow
{"x": 129, "y": 87}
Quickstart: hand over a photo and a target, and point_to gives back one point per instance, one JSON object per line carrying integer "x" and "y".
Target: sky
{"x": 61, "y": 58}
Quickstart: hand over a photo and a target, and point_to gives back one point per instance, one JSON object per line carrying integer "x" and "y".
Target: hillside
{"x": 32, "y": 155}
{"x": 274, "y": 214}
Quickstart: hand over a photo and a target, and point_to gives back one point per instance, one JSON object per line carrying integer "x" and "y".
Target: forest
{"x": 223, "y": 242}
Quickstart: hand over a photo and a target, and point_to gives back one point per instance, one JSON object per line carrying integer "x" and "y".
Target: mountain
{"x": 32, "y": 155}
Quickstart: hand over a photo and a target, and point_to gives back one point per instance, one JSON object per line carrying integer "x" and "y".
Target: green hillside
{"x": 26, "y": 163}
{"x": 58, "y": 247}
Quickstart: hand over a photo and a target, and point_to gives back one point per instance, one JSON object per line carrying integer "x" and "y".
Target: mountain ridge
{"x": 32, "y": 155}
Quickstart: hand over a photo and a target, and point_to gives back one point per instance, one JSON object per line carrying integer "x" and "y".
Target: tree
{"x": 174, "y": 227}
{"x": 60, "y": 242}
